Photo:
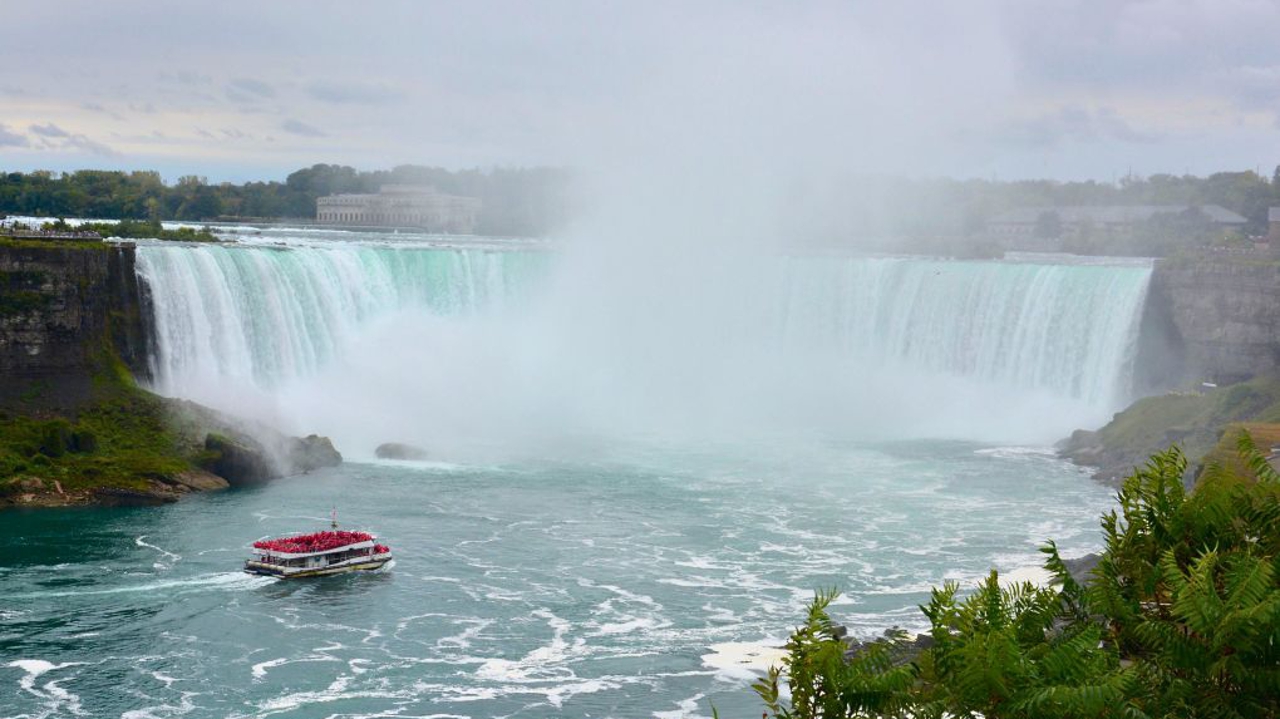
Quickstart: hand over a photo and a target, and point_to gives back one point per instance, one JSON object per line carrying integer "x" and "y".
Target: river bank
{"x": 1196, "y": 420}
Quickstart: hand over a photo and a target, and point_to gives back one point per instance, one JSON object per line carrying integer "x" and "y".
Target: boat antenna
{"x": 333, "y": 517}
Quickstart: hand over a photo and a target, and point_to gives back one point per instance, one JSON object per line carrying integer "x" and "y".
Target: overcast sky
{"x": 1008, "y": 88}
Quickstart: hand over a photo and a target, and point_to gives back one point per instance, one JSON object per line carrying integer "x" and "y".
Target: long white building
{"x": 417, "y": 206}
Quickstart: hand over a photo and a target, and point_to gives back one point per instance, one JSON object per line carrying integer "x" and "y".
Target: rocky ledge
{"x": 1196, "y": 420}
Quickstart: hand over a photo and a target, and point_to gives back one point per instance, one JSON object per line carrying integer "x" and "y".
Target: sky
{"x": 236, "y": 91}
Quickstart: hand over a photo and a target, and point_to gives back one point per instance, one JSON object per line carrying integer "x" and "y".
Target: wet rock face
{"x": 310, "y": 453}
{"x": 396, "y": 450}
{"x": 1225, "y": 313}
{"x": 238, "y": 461}
{"x": 241, "y": 459}
{"x": 60, "y": 304}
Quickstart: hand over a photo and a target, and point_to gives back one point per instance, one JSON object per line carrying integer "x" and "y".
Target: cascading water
{"x": 575, "y": 546}
{"x": 386, "y": 331}
{"x": 1069, "y": 329}
{"x": 263, "y": 315}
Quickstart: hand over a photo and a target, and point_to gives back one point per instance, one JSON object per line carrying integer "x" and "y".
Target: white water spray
{"x": 457, "y": 349}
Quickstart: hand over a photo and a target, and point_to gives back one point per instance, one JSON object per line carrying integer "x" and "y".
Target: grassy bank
{"x": 1196, "y": 421}
{"x": 118, "y": 441}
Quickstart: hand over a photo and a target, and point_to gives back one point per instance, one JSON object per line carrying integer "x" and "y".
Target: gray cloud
{"x": 186, "y": 77}
{"x": 1073, "y": 123}
{"x": 11, "y": 139}
{"x": 297, "y": 127}
{"x": 245, "y": 89}
{"x": 357, "y": 93}
{"x": 49, "y": 130}
{"x": 93, "y": 147}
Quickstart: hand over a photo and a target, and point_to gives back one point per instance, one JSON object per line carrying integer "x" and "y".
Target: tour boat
{"x": 318, "y": 554}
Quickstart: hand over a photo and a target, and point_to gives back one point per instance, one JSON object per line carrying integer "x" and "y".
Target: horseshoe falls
{"x": 443, "y": 345}
{"x": 640, "y": 469}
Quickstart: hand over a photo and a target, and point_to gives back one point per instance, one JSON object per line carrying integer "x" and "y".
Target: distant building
{"x": 418, "y": 206}
{"x": 1273, "y": 226}
{"x": 1115, "y": 220}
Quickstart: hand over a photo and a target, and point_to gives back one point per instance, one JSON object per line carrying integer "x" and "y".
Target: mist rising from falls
{"x": 521, "y": 350}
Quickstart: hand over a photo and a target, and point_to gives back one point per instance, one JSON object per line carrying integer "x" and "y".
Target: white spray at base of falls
{"x": 459, "y": 348}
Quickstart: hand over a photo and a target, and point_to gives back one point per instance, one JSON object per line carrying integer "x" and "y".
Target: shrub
{"x": 1181, "y": 618}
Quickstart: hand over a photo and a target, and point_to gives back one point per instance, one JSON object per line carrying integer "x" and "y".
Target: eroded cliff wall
{"x": 1221, "y": 314}
{"x": 68, "y": 311}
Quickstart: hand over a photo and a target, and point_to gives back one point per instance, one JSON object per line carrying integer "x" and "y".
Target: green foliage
{"x": 824, "y": 684}
{"x": 135, "y": 229}
{"x": 1193, "y": 420}
{"x": 147, "y": 229}
{"x": 1180, "y": 618}
{"x": 121, "y": 440}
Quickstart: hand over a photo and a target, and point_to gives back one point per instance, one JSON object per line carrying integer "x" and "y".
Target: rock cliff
{"x": 74, "y": 426}
{"x": 1211, "y": 318}
{"x": 63, "y": 306}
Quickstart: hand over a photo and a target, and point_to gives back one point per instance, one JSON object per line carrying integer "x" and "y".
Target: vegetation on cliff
{"x": 128, "y": 445}
{"x": 1180, "y": 618}
{"x": 117, "y": 441}
{"x": 1196, "y": 421}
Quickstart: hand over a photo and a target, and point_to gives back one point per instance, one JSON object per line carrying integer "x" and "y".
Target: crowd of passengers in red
{"x": 318, "y": 542}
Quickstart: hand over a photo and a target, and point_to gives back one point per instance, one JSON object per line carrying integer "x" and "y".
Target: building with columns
{"x": 417, "y": 206}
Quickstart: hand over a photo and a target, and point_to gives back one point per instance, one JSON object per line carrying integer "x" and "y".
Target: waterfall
{"x": 509, "y": 339}
{"x": 262, "y": 315}
{"x": 1070, "y": 329}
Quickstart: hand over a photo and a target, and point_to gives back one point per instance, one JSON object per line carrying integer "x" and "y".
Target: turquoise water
{"x": 593, "y": 587}
{"x": 646, "y": 463}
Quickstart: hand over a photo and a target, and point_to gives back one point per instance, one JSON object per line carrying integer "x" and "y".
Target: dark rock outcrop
{"x": 397, "y": 450}
{"x": 243, "y": 458}
{"x": 238, "y": 462}
{"x": 1081, "y": 568}
{"x": 903, "y": 648}
{"x": 310, "y": 453}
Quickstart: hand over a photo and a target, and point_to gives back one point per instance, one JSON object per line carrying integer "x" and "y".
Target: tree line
{"x": 515, "y": 201}
{"x": 535, "y": 201}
